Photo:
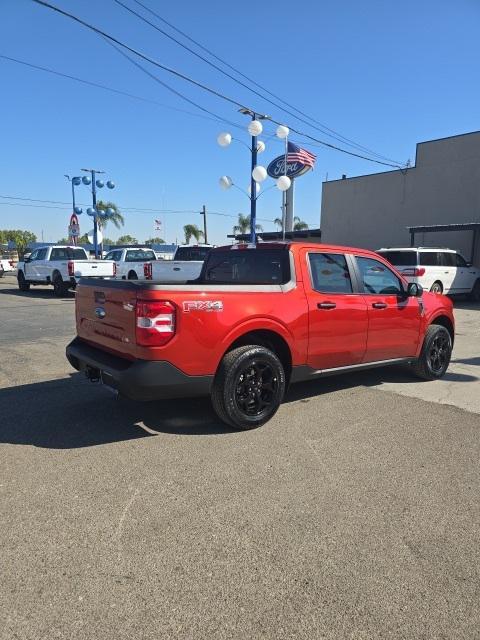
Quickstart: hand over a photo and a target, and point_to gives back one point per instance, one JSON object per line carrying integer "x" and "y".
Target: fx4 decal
{"x": 202, "y": 305}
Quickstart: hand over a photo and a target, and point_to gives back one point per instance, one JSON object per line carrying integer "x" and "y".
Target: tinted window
{"x": 377, "y": 278}
{"x": 430, "y": 259}
{"x": 448, "y": 260}
{"x": 459, "y": 260}
{"x": 192, "y": 253}
{"x": 330, "y": 273}
{"x": 139, "y": 255}
{"x": 67, "y": 253}
{"x": 247, "y": 266}
{"x": 400, "y": 258}
{"x": 42, "y": 253}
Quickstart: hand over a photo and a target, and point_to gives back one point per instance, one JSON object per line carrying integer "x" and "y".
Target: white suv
{"x": 437, "y": 269}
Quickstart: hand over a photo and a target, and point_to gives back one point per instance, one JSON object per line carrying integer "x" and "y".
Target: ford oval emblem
{"x": 100, "y": 312}
{"x": 276, "y": 168}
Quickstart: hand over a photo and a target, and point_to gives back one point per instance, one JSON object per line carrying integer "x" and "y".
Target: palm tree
{"x": 116, "y": 217}
{"x": 298, "y": 225}
{"x": 192, "y": 231}
{"x": 243, "y": 225}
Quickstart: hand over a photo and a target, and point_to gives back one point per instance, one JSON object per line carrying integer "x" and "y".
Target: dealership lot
{"x": 353, "y": 514}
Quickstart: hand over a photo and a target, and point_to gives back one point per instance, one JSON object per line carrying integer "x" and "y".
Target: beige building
{"x": 443, "y": 188}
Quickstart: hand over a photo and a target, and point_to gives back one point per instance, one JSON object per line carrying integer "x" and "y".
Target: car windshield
{"x": 400, "y": 258}
{"x": 249, "y": 266}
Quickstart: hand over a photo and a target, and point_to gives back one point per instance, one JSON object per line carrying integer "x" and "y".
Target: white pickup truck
{"x": 61, "y": 267}
{"x": 129, "y": 261}
{"x": 186, "y": 265}
{"x": 6, "y": 265}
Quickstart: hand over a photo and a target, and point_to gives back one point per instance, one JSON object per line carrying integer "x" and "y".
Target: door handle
{"x": 379, "y": 305}
{"x": 176, "y": 268}
{"x": 326, "y": 305}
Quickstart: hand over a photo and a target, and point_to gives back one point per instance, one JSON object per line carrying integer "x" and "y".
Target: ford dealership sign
{"x": 276, "y": 168}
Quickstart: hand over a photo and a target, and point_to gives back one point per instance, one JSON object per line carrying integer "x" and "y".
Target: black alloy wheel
{"x": 23, "y": 285}
{"x": 248, "y": 386}
{"x": 435, "y": 355}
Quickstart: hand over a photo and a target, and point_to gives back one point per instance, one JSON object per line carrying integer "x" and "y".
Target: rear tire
{"x": 437, "y": 287}
{"x": 23, "y": 285}
{"x": 475, "y": 292}
{"x": 132, "y": 275}
{"x": 59, "y": 287}
{"x": 434, "y": 358}
{"x": 248, "y": 388}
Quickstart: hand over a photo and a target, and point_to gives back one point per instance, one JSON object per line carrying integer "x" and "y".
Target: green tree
{"x": 155, "y": 241}
{"x": 115, "y": 218}
{"x": 21, "y": 239}
{"x": 243, "y": 225}
{"x": 192, "y": 231}
{"x": 298, "y": 225}
{"x": 127, "y": 240}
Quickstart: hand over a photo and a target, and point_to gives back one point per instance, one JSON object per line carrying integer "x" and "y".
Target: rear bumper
{"x": 138, "y": 380}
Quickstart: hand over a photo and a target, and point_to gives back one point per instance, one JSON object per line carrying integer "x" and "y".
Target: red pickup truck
{"x": 258, "y": 318}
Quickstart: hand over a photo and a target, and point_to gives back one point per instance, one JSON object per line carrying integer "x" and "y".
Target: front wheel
{"x": 248, "y": 387}
{"x": 435, "y": 355}
{"x": 475, "y": 292}
{"x": 23, "y": 285}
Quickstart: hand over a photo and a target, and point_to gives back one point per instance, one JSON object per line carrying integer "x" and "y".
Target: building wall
{"x": 443, "y": 188}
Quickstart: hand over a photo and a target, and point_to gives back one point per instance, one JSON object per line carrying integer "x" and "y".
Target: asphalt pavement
{"x": 353, "y": 514}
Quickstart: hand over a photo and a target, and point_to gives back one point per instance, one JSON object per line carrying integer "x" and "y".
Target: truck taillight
{"x": 414, "y": 271}
{"x": 147, "y": 270}
{"x": 114, "y": 268}
{"x": 71, "y": 268}
{"x": 155, "y": 324}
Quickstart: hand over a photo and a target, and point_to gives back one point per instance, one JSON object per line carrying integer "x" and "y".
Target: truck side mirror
{"x": 414, "y": 290}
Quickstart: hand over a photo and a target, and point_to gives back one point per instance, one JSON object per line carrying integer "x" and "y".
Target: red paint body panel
{"x": 351, "y": 333}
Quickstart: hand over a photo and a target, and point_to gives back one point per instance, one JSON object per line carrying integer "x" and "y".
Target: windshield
{"x": 249, "y": 266}
{"x": 400, "y": 258}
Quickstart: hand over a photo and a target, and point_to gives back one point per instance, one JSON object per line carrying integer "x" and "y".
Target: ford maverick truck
{"x": 258, "y": 318}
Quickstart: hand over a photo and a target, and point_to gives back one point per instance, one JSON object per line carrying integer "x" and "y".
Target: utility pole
{"x": 204, "y": 214}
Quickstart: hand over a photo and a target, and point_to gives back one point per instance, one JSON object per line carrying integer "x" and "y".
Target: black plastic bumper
{"x": 138, "y": 380}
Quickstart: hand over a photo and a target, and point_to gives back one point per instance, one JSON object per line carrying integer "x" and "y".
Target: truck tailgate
{"x": 89, "y": 268}
{"x": 172, "y": 271}
{"x": 105, "y": 315}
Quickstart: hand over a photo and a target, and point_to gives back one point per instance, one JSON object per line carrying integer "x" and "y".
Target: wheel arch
{"x": 271, "y": 340}
{"x": 445, "y": 321}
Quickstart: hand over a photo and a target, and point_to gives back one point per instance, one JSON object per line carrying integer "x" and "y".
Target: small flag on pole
{"x": 158, "y": 225}
{"x": 297, "y": 154}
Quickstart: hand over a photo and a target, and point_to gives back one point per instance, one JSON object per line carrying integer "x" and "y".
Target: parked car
{"x": 257, "y": 319}
{"x": 60, "y": 266}
{"x": 6, "y": 266}
{"x": 437, "y": 269}
{"x": 186, "y": 265}
{"x": 129, "y": 261}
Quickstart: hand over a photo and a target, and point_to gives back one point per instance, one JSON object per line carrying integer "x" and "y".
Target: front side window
{"x": 41, "y": 254}
{"x": 377, "y": 278}
{"x": 34, "y": 256}
{"x": 110, "y": 255}
{"x": 330, "y": 273}
{"x": 448, "y": 259}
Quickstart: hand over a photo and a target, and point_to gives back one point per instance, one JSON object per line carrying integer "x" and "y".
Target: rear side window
{"x": 430, "y": 259}
{"x": 400, "y": 258}
{"x": 377, "y": 278}
{"x": 247, "y": 266}
{"x": 330, "y": 273}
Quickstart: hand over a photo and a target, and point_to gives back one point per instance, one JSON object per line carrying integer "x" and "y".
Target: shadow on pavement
{"x": 44, "y": 293}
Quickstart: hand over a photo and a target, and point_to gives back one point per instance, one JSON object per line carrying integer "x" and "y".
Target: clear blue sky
{"x": 382, "y": 73}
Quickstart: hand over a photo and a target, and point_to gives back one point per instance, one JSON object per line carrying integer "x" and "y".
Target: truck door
{"x": 31, "y": 267}
{"x": 393, "y": 317}
{"x": 338, "y": 317}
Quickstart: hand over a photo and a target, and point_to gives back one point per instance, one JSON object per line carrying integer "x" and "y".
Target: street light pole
{"x": 93, "y": 173}
{"x": 203, "y": 213}
{"x": 253, "y": 189}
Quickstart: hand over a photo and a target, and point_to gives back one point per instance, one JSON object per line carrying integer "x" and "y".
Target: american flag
{"x": 297, "y": 154}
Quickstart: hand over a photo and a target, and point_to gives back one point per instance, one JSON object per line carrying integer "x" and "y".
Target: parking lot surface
{"x": 353, "y": 514}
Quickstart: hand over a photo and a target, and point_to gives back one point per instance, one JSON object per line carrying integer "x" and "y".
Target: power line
{"x": 198, "y": 84}
{"x": 218, "y": 119}
{"x": 322, "y": 127}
